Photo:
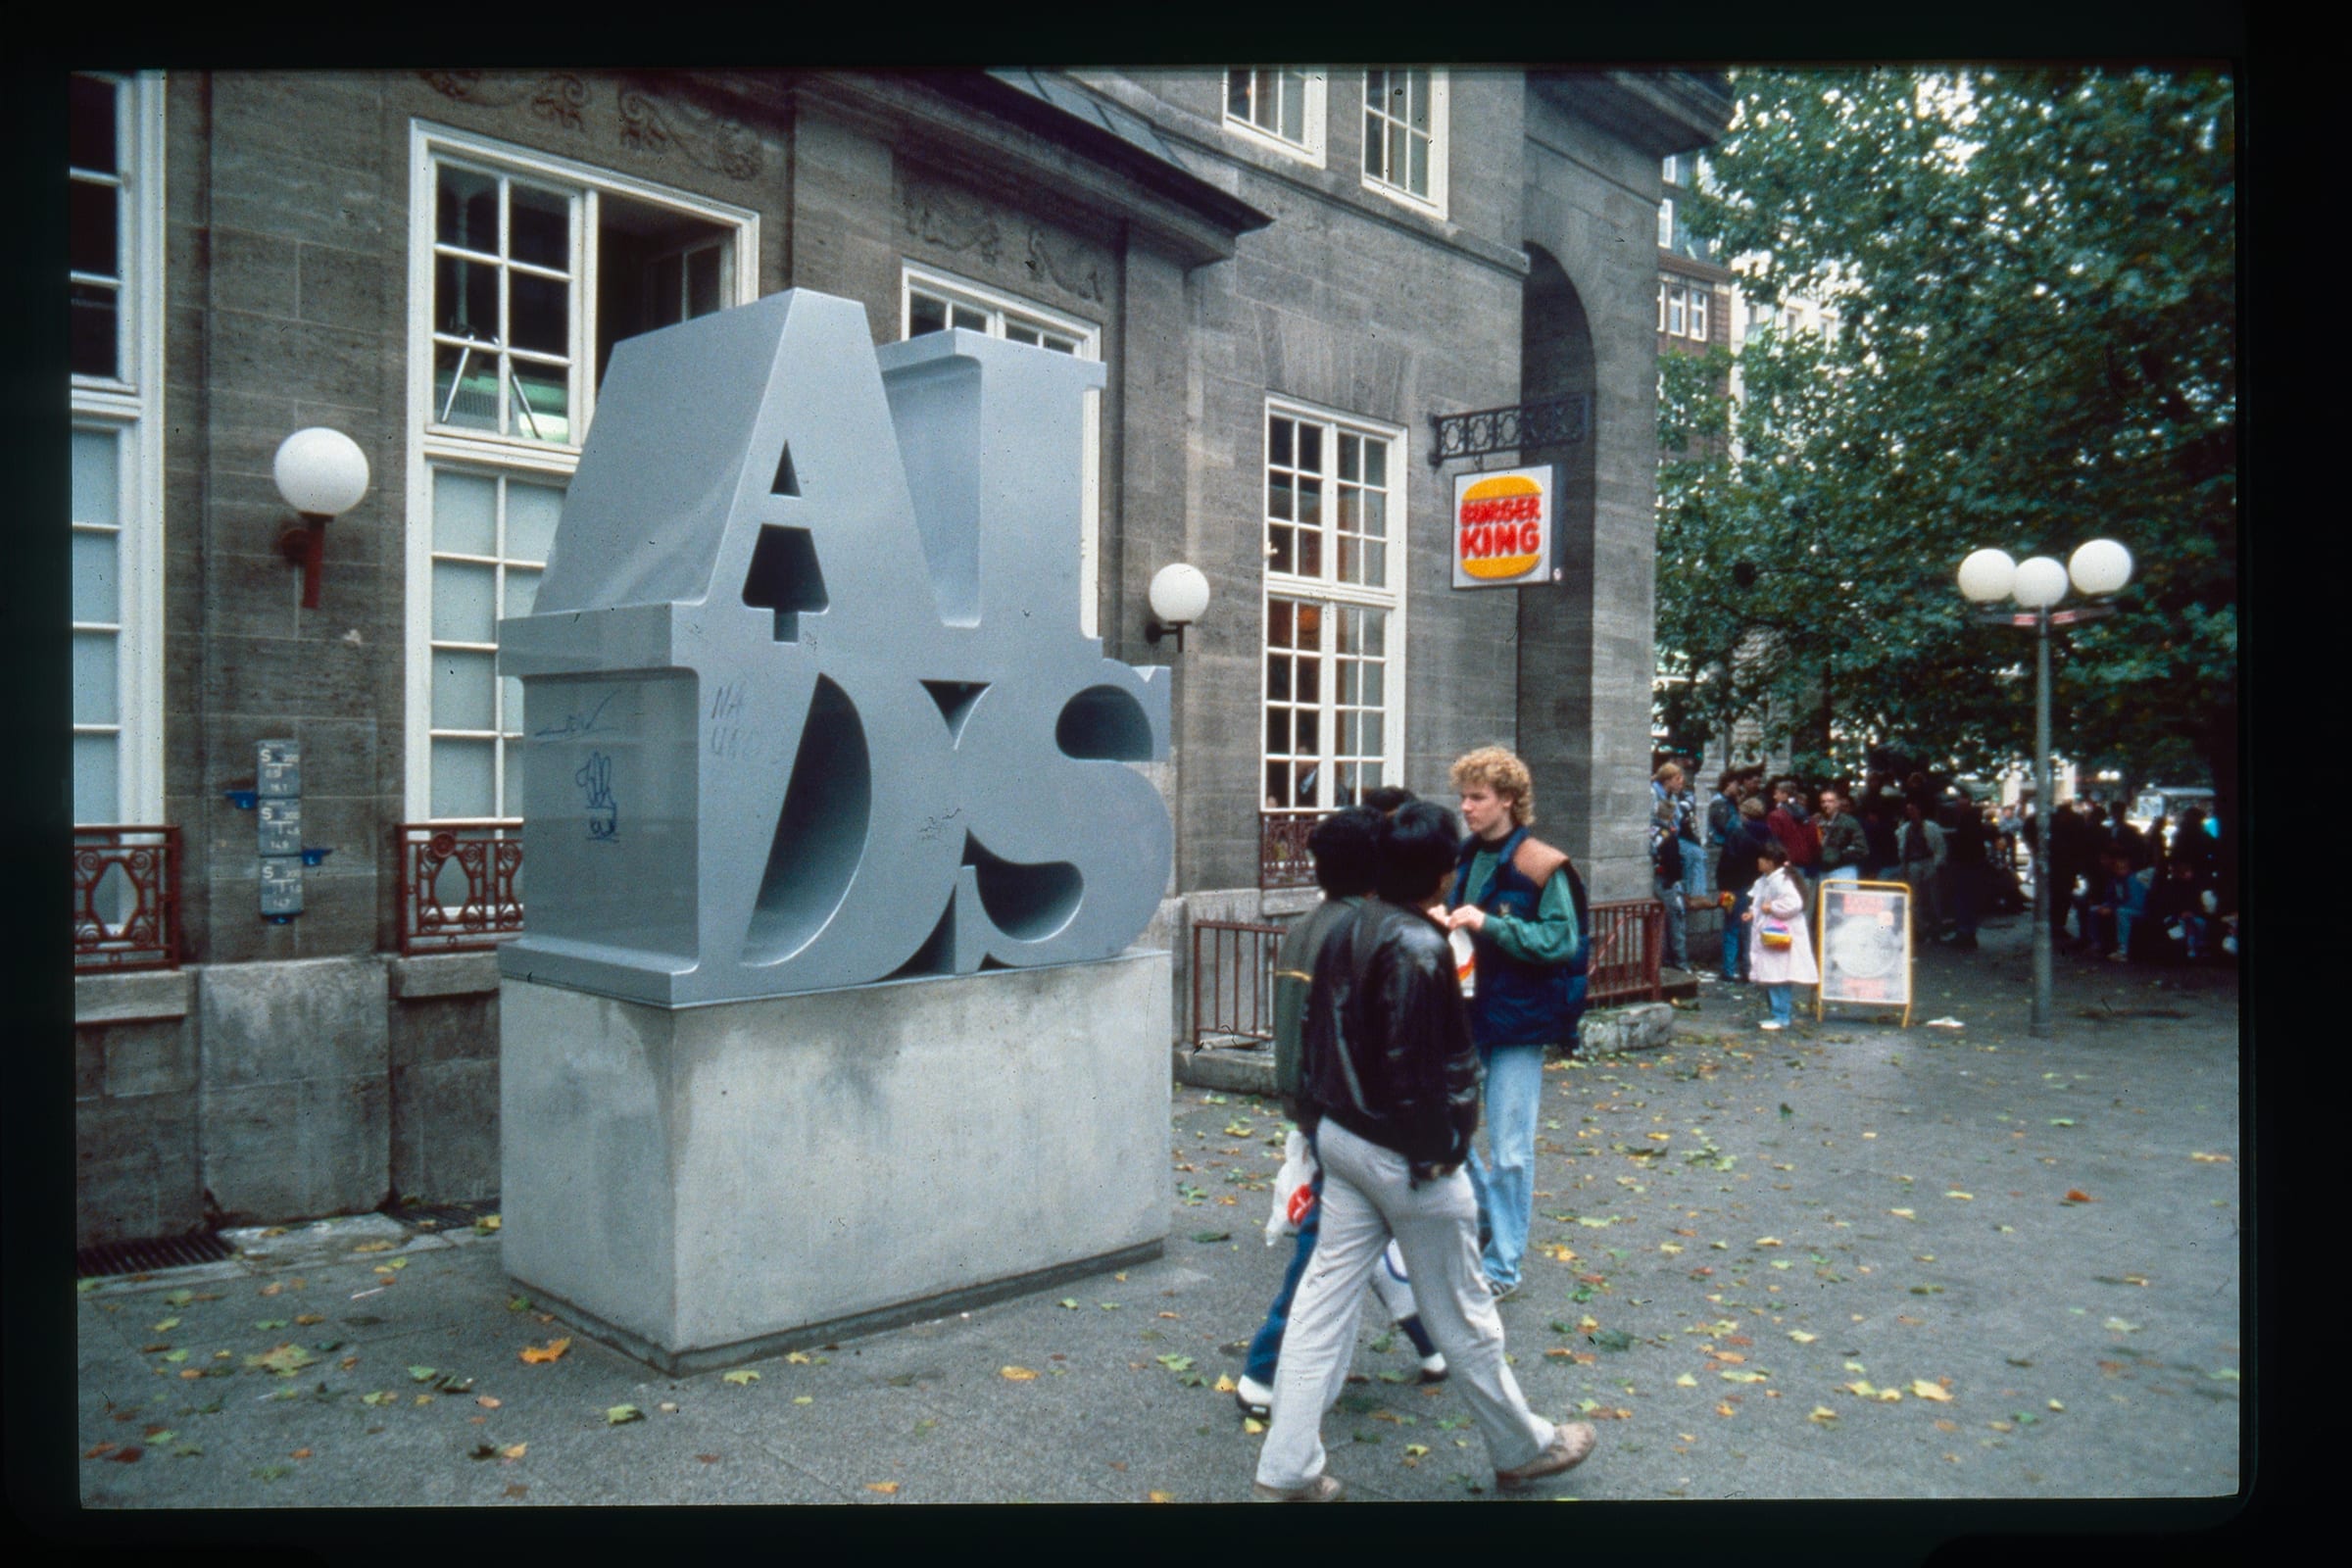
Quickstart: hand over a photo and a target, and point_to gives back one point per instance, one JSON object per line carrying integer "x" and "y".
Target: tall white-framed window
{"x": 1405, "y": 136}
{"x": 1282, "y": 105}
{"x": 524, "y": 270}
{"x": 1334, "y": 682}
{"x": 1666, "y": 225}
{"x": 114, "y": 281}
{"x": 932, "y": 301}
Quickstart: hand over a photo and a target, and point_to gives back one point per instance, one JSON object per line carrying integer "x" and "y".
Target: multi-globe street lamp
{"x": 2097, "y": 571}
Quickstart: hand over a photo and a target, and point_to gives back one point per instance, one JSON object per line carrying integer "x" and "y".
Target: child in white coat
{"x": 1780, "y": 951}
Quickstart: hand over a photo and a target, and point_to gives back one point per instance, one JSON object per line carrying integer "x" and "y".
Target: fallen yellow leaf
{"x": 1768, "y": 1240}
{"x": 1160, "y": 1497}
{"x": 516, "y": 1452}
{"x": 2211, "y": 1159}
{"x": 1225, "y": 1383}
{"x": 1965, "y": 1196}
{"x": 1929, "y": 1390}
{"x": 885, "y": 1488}
{"x": 1801, "y": 1336}
{"x": 1252, "y": 1425}
{"x": 796, "y": 1358}
{"x": 1822, "y": 1413}
{"x": 539, "y": 1354}
{"x": 1016, "y": 1374}
{"x": 1903, "y": 1213}
{"x": 487, "y": 1403}
{"x": 1725, "y": 1410}
{"x": 1685, "y": 1381}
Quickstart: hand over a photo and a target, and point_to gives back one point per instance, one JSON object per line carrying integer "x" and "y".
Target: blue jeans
{"x": 1265, "y": 1351}
{"x": 1698, "y": 874}
{"x": 1776, "y": 993}
{"x": 1735, "y": 940}
{"x": 1670, "y": 893}
{"x": 1506, "y": 1188}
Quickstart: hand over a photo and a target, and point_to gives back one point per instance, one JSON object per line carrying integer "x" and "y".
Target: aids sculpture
{"x": 808, "y": 703}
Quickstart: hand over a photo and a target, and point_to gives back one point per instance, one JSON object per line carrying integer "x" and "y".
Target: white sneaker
{"x": 1770, "y": 1024}
{"x": 1433, "y": 1367}
{"x": 1255, "y": 1398}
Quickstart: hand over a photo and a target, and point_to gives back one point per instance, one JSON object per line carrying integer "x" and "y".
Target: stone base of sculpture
{"x": 703, "y": 1185}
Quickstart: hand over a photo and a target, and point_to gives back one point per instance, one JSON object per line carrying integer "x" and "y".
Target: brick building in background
{"x": 1284, "y": 272}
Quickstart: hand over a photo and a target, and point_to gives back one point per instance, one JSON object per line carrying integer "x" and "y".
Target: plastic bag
{"x": 1294, "y": 1188}
{"x": 1775, "y": 933}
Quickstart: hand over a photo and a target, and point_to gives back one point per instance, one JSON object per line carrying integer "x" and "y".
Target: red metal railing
{"x": 1233, "y": 979}
{"x": 1629, "y": 938}
{"x": 125, "y": 897}
{"x": 1282, "y": 858}
{"x": 460, "y": 883}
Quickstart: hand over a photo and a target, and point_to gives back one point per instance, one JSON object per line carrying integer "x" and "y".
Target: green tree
{"x": 2035, "y": 276}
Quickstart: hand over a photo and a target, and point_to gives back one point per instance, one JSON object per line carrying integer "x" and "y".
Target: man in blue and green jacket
{"x": 1524, "y": 906}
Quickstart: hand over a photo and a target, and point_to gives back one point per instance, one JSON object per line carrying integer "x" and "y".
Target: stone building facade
{"x": 1286, "y": 274}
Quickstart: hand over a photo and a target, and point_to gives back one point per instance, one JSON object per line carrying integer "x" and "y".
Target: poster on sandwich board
{"x": 1863, "y": 932}
{"x": 1505, "y": 528}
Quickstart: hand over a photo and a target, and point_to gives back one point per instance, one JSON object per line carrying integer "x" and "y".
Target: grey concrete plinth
{"x": 705, "y": 1185}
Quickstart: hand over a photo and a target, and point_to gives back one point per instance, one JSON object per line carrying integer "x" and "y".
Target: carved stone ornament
{"x": 554, "y": 96}
{"x": 950, "y": 223}
{"x": 1082, "y": 275}
{"x": 654, "y": 125}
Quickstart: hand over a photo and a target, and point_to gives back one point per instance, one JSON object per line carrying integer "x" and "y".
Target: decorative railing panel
{"x": 1559, "y": 423}
{"x": 460, "y": 884}
{"x": 1629, "y": 938}
{"x": 125, "y": 897}
{"x": 1282, "y": 858}
{"x": 1233, "y": 979}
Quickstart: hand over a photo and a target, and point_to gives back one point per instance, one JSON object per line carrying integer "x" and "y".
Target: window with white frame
{"x": 115, "y": 274}
{"x": 1405, "y": 136}
{"x": 525, "y": 270}
{"x": 1284, "y": 104}
{"x": 1683, "y": 308}
{"x": 1666, "y": 225}
{"x": 933, "y": 301}
{"x": 1334, "y": 635}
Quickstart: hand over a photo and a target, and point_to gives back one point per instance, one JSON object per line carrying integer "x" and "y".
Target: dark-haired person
{"x": 1389, "y": 1082}
{"x": 1735, "y": 872}
{"x": 1777, "y": 904}
{"x": 1342, "y": 847}
{"x": 1524, "y": 906}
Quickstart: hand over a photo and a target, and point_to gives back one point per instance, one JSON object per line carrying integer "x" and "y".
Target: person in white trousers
{"x": 1388, "y": 1078}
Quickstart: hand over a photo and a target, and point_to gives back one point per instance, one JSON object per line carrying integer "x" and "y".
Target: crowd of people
{"x": 2157, "y": 896}
{"x": 1415, "y": 1004}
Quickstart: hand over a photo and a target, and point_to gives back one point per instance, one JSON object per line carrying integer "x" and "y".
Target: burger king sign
{"x": 1503, "y": 528}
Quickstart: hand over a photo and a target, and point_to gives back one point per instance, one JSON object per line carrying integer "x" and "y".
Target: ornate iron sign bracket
{"x": 1560, "y": 422}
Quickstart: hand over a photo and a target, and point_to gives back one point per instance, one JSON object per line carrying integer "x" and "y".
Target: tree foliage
{"x": 2035, "y": 277}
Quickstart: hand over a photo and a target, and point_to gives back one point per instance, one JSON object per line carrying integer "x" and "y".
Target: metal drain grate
{"x": 117, "y": 1258}
{"x": 445, "y": 1216}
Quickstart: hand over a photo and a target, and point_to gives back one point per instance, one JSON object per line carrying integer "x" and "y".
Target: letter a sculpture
{"x": 806, "y": 701}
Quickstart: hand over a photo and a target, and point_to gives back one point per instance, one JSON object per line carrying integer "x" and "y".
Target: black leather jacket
{"x": 1386, "y": 1051}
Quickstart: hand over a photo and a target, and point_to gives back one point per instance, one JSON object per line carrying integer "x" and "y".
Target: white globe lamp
{"x": 1179, "y": 595}
{"x": 1987, "y": 576}
{"x": 322, "y": 473}
{"x": 2101, "y": 566}
{"x": 2040, "y": 582}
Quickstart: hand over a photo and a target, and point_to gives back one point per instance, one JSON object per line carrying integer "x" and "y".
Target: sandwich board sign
{"x": 1864, "y": 932}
